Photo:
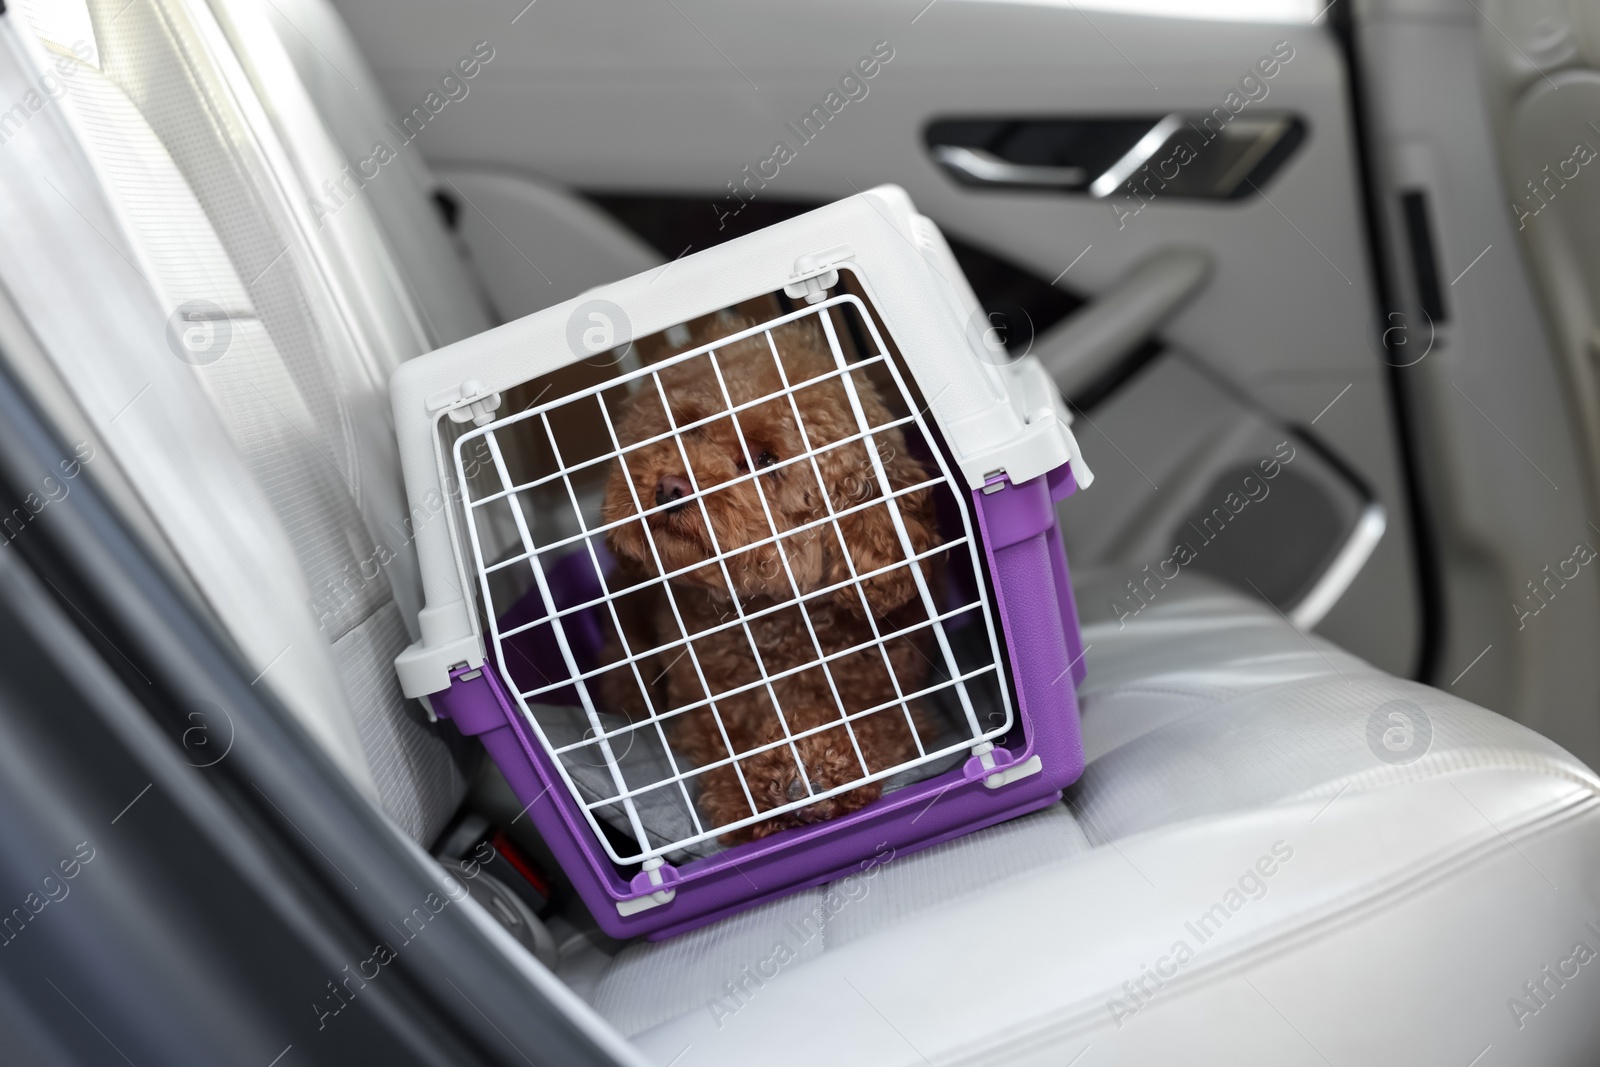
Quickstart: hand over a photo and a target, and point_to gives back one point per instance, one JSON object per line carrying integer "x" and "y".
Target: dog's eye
{"x": 763, "y": 459}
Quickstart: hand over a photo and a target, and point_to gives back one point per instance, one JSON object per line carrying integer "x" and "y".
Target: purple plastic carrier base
{"x": 1025, "y": 771}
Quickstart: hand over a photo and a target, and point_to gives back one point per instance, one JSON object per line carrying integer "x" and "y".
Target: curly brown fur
{"x": 763, "y": 576}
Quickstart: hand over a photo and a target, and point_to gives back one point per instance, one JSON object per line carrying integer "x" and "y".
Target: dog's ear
{"x": 869, "y": 532}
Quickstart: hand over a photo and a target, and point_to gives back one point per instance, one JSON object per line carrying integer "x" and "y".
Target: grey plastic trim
{"x": 978, "y": 167}
{"x": 1341, "y": 573}
{"x": 1089, "y": 344}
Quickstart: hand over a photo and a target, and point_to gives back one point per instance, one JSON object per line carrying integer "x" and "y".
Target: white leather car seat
{"x": 1221, "y": 742}
{"x": 265, "y": 456}
{"x": 1253, "y": 869}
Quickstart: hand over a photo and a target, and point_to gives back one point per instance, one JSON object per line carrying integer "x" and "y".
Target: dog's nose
{"x": 671, "y": 487}
{"x": 797, "y": 789}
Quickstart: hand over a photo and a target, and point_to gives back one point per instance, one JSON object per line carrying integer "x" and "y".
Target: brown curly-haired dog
{"x": 765, "y": 574}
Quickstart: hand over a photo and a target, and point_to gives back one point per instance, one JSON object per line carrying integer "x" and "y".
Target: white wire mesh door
{"x": 757, "y": 599}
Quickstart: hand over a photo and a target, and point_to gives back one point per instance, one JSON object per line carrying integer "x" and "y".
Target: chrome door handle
{"x": 1102, "y": 156}
{"x": 1137, "y": 156}
{"x": 977, "y": 167}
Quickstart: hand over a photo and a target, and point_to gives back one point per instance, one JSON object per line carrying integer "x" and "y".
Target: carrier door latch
{"x": 471, "y": 401}
{"x": 653, "y": 872}
{"x": 998, "y": 767}
{"x": 817, "y": 272}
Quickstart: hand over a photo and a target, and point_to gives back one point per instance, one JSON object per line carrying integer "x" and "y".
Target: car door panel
{"x": 706, "y": 100}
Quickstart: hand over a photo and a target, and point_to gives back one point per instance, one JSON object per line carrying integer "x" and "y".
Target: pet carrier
{"x": 764, "y": 546}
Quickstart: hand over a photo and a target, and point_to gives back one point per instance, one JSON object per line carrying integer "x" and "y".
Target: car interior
{"x": 1361, "y": 719}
